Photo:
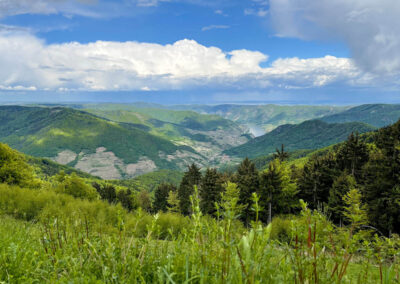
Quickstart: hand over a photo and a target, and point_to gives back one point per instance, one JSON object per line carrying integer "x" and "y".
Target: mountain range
{"x": 116, "y": 141}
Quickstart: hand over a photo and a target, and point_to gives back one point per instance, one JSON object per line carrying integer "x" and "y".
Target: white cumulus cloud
{"x": 29, "y": 63}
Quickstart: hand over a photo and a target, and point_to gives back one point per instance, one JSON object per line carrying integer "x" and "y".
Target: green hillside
{"x": 378, "y": 115}
{"x": 138, "y": 113}
{"x": 310, "y": 134}
{"x": 172, "y": 125}
{"x": 85, "y": 141}
{"x": 208, "y": 135}
{"x": 266, "y": 117}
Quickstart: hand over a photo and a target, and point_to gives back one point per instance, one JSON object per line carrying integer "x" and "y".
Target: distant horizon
{"x": 183, "y": 98}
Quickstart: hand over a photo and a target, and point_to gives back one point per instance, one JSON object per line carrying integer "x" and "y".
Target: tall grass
{"x": 61, "y": 239}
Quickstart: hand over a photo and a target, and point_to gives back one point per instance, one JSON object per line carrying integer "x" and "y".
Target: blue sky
{"x": 192, "y": 51}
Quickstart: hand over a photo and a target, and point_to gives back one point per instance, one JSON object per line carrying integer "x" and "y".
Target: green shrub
{"x": 281, "y": 229}
{"x": 75, "y": 186}
{"x": 14, "y": 170}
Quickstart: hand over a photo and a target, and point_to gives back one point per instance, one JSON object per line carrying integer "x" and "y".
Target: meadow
{"x": 47, "y": 237}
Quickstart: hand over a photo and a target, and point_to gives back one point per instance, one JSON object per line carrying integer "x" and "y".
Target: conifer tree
{"x": 210, "y": 191}
{"x": 352, "y": 155}
{"x": 317, "y": 179}
{"x": 247, "y": 181}
{"x": 277, "y": 191}
{"x": 354, "y": 210}
{"x": 191, "y": 178}
{"x": 381, "y": 193}
{"x": 161, "y": 197}
{"x": 340, "y": 188}
{"x": 281, "y": 154}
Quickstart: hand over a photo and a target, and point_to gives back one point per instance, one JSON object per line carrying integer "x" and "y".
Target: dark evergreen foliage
{"x": 281, "y": 154}
{"x": 316, "y": 180}
{"x": 191, "y": 178}
{"x": 161, "y": 197}
{"x": 106, "y": 192}
{"x": 352, "y": 155}
{"x": 247, "y": 181}
{"x": 381, "y": 181}
{"x": 269, "y": 190}
{"x": 340, "y": 188}
{"x": 210, "y": 191}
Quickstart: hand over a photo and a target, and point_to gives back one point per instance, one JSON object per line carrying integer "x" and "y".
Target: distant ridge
{"x": 311, "y": 134}
{"x": 378, "y": 115}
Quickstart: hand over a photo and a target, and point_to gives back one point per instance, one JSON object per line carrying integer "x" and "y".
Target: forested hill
{"x": 312, "y": 134}
{"x": 89, "y": 143}
{"x": 378, "y": 115}
{"x": 209, "y": 135}
{"x": 265, "y": 117}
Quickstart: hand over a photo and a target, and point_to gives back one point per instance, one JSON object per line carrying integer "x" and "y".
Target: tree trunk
{"x": 269, "y": 213}
{"x": 315, "y": 193}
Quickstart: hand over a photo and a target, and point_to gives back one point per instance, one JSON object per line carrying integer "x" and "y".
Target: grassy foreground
{"x": 68, "y": 240}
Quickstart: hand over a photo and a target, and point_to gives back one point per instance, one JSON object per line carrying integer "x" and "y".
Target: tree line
{"x": 369, "y": 164}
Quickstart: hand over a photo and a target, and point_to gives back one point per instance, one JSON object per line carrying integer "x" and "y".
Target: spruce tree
{"x": 352, "y": 155}
{"x": 316, "y": 180}
{"x": 270, "y": 188}
{"x": 340, "y": 188}
{"x": 380, "y": 191}
{"x": 210, "y": 191}
{"x": 277, "y": 190}
{"x": 161, "y": 197}
{"x": 281, "y": 154}
{"x": 247, "y": 180}
{"x": 191, "y": 178}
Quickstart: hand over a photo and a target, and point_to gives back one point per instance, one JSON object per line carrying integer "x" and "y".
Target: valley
{"x": 115, "y": 141}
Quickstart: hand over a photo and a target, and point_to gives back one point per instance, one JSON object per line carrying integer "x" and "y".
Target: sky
{"x": 200, "y": 51}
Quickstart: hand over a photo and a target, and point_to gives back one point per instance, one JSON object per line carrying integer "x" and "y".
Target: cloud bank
{"x": 369, "y": 27}
{"x": 31, "y": 64}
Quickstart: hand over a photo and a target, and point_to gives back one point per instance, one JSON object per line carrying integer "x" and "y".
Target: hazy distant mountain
{"x": 264, "y": 118}
{"x": 374, "y": 114}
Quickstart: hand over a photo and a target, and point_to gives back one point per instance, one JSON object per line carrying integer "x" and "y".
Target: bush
{"x": 75, "y": 186}
{"x": 281, "y": 229}
{"x": 14, "y": 170}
